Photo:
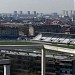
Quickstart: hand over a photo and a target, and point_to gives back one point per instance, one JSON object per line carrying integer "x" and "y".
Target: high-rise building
{"x": 15, "y": 13}
{"x": 28, "y": 12}
{"x": 63, "y": 13}
{"x": 71, "y": 13}
{"x": 67, "y": 14}
{"x": 21, "y": 12}
{"x": 35, "y": 13}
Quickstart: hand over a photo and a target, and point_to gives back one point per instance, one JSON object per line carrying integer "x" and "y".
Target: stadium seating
{"x": 67, "y": 40}
{"x": 43, "y": 38}
{"x": 48, "y": 38}
{"x": 38, "y": 37}
{"x": 56, "y": 38}
{"x": 61, "y": 38}
{"x": 72, "y": 41}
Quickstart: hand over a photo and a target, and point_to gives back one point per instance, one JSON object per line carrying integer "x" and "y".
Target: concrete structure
{"x": 44, "y": 48}
{"x": 13, "y": 47}
{"x": 6, "y": 69}
{"x": 53, "y": 48}
{"x": 6, "y": 63}
{"x": 43, "y": 63}
{"x": 31, "y": 31}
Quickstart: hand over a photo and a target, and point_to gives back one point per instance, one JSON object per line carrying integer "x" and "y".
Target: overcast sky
{"x": 35, "y": 5}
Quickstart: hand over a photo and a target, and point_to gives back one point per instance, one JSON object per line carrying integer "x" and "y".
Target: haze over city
{"x": 37, "y": 37}
{"x": 45, "y": 6}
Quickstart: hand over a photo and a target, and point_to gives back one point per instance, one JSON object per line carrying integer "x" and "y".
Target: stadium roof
{"x": 55, "y": 33}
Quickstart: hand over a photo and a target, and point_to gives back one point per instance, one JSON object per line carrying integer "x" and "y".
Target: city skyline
{"x": 44, "y": 6}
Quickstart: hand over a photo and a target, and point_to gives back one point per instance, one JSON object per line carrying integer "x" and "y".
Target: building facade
{"x": 7, "y": 32}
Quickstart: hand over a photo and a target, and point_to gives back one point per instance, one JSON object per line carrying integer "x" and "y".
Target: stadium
{"x": 51, "y": 52}
{"x": 45, "y": 54}
{"x": 58, "y": 38}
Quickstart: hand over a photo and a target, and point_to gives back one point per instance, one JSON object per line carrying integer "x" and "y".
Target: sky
{"x": 44, "y": 6}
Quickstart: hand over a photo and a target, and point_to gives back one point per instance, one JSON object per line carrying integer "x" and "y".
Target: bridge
{"x": 43, "y": 48}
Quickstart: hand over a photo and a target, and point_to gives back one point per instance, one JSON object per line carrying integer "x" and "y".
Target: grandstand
{"x": 59, "y": 38}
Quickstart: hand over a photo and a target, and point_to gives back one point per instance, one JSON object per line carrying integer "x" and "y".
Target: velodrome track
{"x": 59, "y": 49}
{"x": 20, "y": 46}
{"x": 45, "y": 47}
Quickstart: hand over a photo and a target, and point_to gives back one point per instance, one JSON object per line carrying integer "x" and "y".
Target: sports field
{"x": 16, "y": 43}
